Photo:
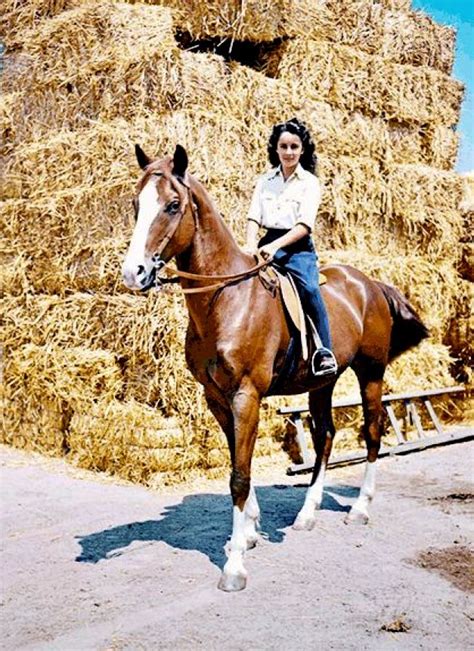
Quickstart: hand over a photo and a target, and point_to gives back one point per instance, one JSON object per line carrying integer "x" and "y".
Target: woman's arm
{"x": 296, "y": 233}
{"x": 251, "y": 238}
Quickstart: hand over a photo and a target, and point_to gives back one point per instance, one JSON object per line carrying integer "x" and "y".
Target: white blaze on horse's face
{"x": 137, "y": 267}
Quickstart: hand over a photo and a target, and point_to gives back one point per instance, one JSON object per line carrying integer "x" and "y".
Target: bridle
{"x": 219, "y": 281}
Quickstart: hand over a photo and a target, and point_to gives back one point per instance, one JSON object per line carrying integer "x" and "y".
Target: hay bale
{"x": 14, "y": 272}
{"x": 425, "y": 202}
{"x": 422, "y": 368}
{"x": 128, "y": 324}
{"x": 129, "y": 439}
{"x": 353, "y": 80}
{"x": 72, "y": 376}
{"x": 418, "y": 94}
{"x": 433, "y": 145}
{"x": 265, "y": 20}
{"x": 43, "y": 385}
{"x": 416, "y": 39}
{"x": 396, "y": 5}
{"x": 460, "y": 333}
{"x": 25, "y": 423}
{"x": 18, "y": 17}
{"x": 70, "y": 258}
{"x": 357, "y": 23}
{"x": 352, "y": 186}
{"x": 84, "y": 58}
{"x": 466, "y": 265}
{"x": 8, "y": 124}
{"x": 88, "y": 38}
{"x": 203, "y": 80}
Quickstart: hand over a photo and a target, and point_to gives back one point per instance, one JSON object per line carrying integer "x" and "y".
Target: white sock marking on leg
{"x": 237, "y": 545}
{"x": 252, "y": 516}
{"x": 314, "y": 497}
{"x": 367, "y": 490}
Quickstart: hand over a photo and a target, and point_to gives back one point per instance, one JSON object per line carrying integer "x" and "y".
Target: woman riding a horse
{"x": 285, "y": 203}
{"x": 238, "y": 334}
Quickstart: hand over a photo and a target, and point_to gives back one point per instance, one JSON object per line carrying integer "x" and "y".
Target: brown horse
{"x": 238, "y": 336}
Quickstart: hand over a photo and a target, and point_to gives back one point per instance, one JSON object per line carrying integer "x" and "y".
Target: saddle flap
{"x": 292, "y": 302}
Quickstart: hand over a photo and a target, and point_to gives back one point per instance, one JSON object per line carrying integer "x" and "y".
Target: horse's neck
{"x": 213, "y": 250}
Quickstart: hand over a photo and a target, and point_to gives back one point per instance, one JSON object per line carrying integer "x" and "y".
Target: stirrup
{"x": 323, "y": 354}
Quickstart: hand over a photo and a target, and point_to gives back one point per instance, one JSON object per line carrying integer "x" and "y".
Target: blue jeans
{"x": 301, "y": 260}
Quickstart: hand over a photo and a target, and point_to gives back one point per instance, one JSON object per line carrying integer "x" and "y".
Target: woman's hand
{"x": 250, "y": 250}
{"x": 268, "y": 251}
{"x": 297, "y": 232}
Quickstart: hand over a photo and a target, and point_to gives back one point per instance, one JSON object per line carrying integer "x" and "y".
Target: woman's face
{"x": 289, "y": 149}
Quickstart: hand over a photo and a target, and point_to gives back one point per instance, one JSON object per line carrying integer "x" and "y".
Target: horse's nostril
{"x": 141, "y": 270}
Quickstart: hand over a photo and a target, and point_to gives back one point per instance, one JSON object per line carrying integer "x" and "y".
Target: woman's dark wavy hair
{"x": 308, "y": 158}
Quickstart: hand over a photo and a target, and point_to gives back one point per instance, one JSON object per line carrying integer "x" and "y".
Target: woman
{"x": 285, "y": 202}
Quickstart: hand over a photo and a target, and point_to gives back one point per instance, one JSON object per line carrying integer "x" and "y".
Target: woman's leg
{"x": 303, "y": 268}
{"x": 301, "y": 261}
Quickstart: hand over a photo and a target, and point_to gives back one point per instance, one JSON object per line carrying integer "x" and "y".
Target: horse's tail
{"x": 407, "y": 329}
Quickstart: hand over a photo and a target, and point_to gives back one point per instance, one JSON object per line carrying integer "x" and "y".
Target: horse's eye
{"x": 172, "y": 207}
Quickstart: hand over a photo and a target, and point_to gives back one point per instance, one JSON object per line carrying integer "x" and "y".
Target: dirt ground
{"x": 89, "y": 563}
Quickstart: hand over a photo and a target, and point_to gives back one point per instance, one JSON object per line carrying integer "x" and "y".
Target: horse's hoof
{"x": 356, "y": 517}
{"x": 304, "y": 524}
{"x": 232, "y": 582}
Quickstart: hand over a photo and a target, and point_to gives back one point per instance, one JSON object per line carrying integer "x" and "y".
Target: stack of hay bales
{"x": 98, "y": 374}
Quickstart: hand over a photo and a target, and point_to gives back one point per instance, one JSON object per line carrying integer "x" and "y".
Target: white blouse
{"x": 277, "y": 203}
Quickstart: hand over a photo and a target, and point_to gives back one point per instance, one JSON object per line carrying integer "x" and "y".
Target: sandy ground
{"x": 94, "y": 564}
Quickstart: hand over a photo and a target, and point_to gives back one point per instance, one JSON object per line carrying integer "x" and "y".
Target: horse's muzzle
{"x": 138, "y": 278}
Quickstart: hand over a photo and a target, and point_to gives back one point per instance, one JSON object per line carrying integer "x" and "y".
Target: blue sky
{"x": 461, "y": 16}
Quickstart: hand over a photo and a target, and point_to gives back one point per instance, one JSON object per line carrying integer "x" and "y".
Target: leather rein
{"x": 221, "y": 280}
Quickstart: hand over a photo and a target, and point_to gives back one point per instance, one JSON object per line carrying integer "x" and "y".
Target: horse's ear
{"x": 180, "y": 161}
{"x": 142, "y": 158}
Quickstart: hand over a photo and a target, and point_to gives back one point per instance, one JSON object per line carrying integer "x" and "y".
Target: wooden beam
{"x": 394, "y": 423}
{"x": 433, "y": 416}
{"x": 466, "y": 434}
{"x": 389, "y": 397}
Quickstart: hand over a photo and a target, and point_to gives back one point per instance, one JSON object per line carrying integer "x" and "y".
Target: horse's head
{"x": 164, "y": 219}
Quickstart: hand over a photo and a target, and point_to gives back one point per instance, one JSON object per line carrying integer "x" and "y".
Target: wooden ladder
{"x": 411, "y": 417}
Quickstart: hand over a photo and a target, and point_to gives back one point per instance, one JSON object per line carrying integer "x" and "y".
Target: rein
{"x": 223, "y": 281}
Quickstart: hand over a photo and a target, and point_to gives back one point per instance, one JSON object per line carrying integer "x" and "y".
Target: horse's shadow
{"x": 203, "y": 522}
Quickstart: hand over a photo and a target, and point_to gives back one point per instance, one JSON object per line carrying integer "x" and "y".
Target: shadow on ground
{"x": 203, "y": 523}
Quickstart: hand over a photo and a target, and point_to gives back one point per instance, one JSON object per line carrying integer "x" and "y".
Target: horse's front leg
{"x": 223, "y": 414}
{"x": 245, "y": 409}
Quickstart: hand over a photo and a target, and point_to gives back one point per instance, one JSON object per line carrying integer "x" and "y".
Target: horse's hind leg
{"x": 371, "y": 391}
{"x": 323, "y": 431}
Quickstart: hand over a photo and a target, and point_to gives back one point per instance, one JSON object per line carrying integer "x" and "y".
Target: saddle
{"x": 274, "y": 280}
